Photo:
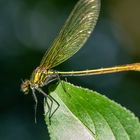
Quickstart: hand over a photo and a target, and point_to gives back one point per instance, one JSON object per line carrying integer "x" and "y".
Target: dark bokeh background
{"x": 27, "y": 28}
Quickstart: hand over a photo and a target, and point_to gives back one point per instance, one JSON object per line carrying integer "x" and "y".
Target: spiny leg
{"x": 58, "y": 105}
{"x": 63, "y": 85}
{"x": 57, "y": 78}
{"x": 36, "y": 102}
{"x": 46, "y": 96}
{"x": 51, "y": 104}
{"x": 45, "y": 101}
{"x": 49, "y": 81}
{"x": 52, "y": 100}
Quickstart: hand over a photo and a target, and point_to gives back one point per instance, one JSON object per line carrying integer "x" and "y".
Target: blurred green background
{"x": 27, "y": 28}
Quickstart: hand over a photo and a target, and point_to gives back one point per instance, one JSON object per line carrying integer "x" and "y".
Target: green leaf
{"x": 87, "y": 115}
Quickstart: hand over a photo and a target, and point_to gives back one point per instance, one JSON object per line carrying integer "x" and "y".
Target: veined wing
{"x": 74, "y": 33}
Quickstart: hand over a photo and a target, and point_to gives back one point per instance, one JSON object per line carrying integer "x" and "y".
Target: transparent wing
{"x": 74, "y": 33}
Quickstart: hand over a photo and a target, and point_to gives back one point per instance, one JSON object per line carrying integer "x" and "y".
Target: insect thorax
{"x": 40, "y": 76}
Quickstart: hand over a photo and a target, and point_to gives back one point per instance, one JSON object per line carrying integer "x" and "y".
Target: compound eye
{"x": 25, "y": 86}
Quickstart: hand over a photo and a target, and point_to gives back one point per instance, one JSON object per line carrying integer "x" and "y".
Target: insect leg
{"x": 49, "y": 108}
{"x": 36, "y": 102}
{"x": 58, "y": 105}
{"x": 49, "y": 81}
{"x": 63, "y": 85}
{"x": 50, "y": 113}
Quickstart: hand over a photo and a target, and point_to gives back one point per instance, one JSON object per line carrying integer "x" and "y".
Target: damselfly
{"x": 71, "y": 38}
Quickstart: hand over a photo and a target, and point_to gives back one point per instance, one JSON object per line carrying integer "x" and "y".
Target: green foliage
{"x": 87, "y": 115}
